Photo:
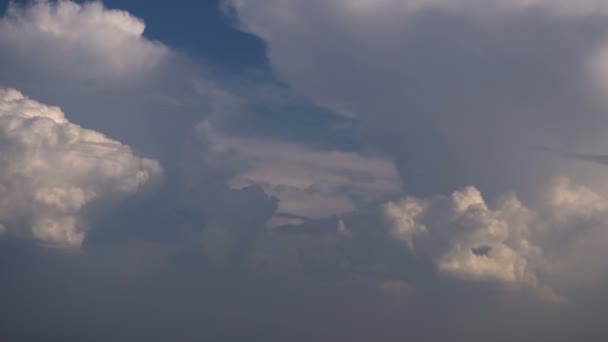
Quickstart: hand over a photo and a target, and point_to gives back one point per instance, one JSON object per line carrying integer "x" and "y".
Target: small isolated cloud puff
{"x": 50, "y": 169}
{"x": 79, "y": 36}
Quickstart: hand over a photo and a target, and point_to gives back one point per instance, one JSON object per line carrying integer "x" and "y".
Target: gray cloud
{"x": 456, "y": 94}
{"x": 594, "y": 158}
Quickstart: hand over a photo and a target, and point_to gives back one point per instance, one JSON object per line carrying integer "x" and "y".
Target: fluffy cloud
{"x": 78, "y": 36}
{"x": 403, "y": 219}
{"x": 508, "y": 243}
{"x": 474, "y": 241}
{"x": 113, "y": 78}
{"x": 51, "y": 169}
{"x": 142, "y": 93}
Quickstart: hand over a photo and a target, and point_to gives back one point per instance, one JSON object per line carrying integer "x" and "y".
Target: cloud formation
{"x": 455, "y": 93}
{"x": 51, "y": 169}
{"x": 479, "y": 243}
{"x": 451, "y": 93}
{"x": 113, "y": 77}
{"x": 461, "y": 94}
{"x": 312, "y": 184}
{"x": 80, "y": 35}
{"x": 507, "y": 243}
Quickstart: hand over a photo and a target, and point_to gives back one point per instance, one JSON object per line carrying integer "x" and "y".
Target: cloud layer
{"x": 312, "y": 184}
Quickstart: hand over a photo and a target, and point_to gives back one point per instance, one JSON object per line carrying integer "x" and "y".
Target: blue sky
{"x": 303, "y": 170}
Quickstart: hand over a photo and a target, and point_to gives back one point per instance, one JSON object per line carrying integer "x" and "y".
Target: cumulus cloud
{"x": 508, "y": 243}
{"x": 113, "y": 77}
{"x": 80, "y": 35}
{"x": 478, "y": 244}
{"x": 51, "y": 169}
{"x": 403, "y": 216}
{"x": 142, "y": 93}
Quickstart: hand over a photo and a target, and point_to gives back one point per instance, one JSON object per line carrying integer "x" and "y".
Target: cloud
{"x": 197, "y": 247}
{"x": 557, "y": 243}
{"x": 113, "y": 77}
{"x": 455, "y": 93}
{"x": 395, "y": 288}
{"x": 403, "y": 220}
{"x": 343, "y": 230}
{"x": 146, "y": 95}
{"x": 474, "y": 242}
{"x": 78, "y": 36}
{"x": 460, "y": 94}
{"x": 593, "y": 158}
{"x": 51, "y": 169}
{"x": 312, "y": 184}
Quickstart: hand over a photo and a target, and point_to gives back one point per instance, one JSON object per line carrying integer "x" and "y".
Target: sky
{"x": 272, "y": 170}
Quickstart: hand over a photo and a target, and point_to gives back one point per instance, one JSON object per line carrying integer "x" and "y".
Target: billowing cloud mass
{"x": 457, "y": 93}
{"x": 478, "y": 244}
{"x": 398, "y": 170}
{"x": 467, "y": 98}
{"x": 113, "y": 77}
{"x": 51, "y": 169}
{"x": 79, "y": 36}
{"x": 507, "y": 243}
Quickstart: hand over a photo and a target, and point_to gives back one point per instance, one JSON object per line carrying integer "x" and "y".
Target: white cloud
{"x": 101, "y": 68}
{"x": 403, "y": 217}
{"x": 509, "y": 243}
{"x": 93, "y": 40}
{"x": 492, "y": 245}
{"x": 50, "y": 169}
{"x": 474, "y": 242}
